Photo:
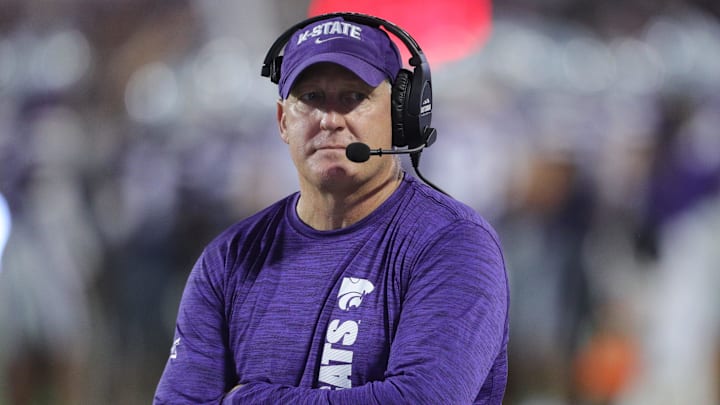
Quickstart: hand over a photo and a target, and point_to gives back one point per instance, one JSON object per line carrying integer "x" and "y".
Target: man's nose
{"x": 332, "y": 120}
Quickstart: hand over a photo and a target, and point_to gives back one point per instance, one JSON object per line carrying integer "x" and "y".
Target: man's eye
{"x": 355, "y": 97}
{"x": 311, "y": 97}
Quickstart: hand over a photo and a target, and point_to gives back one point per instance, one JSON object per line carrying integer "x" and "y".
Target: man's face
{"x": 328, "y": 108}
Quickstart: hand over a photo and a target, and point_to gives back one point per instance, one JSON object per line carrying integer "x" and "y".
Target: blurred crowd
{"x": 132, "y": 132}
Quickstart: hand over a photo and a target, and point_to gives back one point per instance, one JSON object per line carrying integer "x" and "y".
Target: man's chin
{"x": 338, "y": 177}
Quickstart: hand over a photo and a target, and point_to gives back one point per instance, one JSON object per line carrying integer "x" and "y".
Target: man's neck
{"x": 326, "y": 211}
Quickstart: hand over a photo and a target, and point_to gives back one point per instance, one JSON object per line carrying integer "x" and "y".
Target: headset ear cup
{"x": 400, "y": 94}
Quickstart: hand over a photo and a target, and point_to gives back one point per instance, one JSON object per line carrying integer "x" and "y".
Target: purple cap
{"x": 364, "y": 50}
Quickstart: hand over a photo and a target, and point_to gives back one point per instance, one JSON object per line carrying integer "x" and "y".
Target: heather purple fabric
{"x": 409, "y": 305}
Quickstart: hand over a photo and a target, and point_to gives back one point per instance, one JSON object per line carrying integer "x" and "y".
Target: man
{"x": 367, "y": 286}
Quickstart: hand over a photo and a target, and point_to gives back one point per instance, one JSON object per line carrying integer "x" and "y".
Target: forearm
{"x": 264, "y": 393}
{"x": 405, "y": 389}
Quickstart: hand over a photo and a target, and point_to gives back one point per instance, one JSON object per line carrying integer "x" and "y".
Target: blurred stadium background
{"x": 587, "y": 131}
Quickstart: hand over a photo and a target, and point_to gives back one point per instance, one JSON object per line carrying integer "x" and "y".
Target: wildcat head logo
{"x": 352, "y": 291}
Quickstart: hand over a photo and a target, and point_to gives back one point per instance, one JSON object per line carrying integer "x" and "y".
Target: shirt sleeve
{"x": 197, "y": 370}
{"x": 453, "y": 326}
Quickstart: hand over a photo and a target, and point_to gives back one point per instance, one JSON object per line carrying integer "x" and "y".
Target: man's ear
{"x": 282, "y": 126}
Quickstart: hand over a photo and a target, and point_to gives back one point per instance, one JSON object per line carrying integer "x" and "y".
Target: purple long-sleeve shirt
{"x": 408, "y": 305}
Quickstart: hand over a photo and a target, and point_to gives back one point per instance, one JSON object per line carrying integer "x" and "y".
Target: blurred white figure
{"x": 682, "y": 340}
{"x": 51, "y": 258}
{"x": 687, "y": 334}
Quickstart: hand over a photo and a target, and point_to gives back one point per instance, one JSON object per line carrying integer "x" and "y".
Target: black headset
{"x": 411, "y": 91}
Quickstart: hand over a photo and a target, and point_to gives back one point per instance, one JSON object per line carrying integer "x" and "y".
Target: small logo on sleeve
{"x": 173, "y": 349}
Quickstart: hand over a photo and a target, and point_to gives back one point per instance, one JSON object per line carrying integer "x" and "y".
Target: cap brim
{"x": 364, "y": 70}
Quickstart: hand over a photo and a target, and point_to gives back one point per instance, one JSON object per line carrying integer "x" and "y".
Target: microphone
{"x": 359, "y": 152}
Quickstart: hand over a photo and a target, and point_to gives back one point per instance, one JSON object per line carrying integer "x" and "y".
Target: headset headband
{"x": 271, "y": 64}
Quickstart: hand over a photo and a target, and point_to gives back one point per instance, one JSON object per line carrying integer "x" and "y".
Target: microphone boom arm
{"x": 380, "y": 152}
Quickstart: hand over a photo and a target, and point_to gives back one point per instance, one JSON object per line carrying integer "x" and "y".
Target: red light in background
{"x": 446, "y": 31}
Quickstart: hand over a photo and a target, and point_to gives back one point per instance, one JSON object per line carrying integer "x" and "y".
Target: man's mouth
{"x": 332, "y": 147}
